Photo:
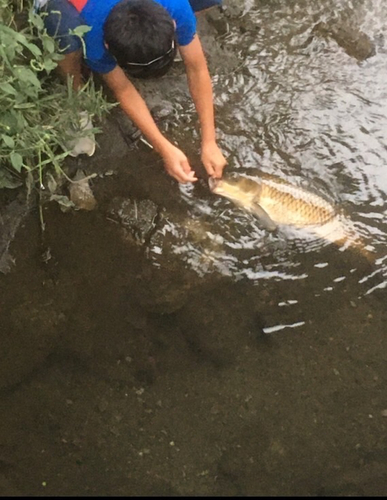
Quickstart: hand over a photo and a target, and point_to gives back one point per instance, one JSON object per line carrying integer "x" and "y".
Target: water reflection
{"x": 297, "y": 106}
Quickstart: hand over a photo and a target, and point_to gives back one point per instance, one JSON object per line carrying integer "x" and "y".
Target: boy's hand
{"x": 177, "y": 165}
{"x": 213, "y": 159}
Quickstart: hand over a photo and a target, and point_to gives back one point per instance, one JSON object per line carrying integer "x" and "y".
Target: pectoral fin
{"x": 264, "y": 218}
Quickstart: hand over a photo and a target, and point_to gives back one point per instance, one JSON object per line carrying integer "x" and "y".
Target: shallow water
{"x": 297, "y": 106}
{"x": 216, "y": 359}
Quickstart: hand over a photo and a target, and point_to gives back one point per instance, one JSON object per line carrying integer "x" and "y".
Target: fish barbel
{"x": 276, "y": 202}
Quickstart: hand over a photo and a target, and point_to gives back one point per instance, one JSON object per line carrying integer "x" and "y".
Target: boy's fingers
{"x": 186, "y": 166}
{"x": 184, "y": 178}
{"x": 210, "y": 170}
{"x": 192, "y": 176}
{"x": 187, "y": 174}
{"x": 218, "y": 172}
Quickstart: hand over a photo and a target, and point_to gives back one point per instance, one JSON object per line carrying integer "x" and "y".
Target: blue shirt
{"x": 96, "y": 12}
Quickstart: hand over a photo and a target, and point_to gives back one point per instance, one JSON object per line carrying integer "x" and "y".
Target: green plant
{"x": 37, "y": 112}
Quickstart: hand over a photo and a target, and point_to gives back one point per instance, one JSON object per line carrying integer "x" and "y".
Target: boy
{"x": 139, "y": 38}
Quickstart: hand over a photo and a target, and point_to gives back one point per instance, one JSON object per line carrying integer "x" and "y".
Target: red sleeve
{"x": 78, "y": 4}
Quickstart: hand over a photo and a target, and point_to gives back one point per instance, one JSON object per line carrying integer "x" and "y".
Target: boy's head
{"x": 140, "y": 34}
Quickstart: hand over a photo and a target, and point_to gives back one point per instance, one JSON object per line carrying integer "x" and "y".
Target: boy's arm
{"x": 200, "y": 86}
{"x": 175, "y": 161}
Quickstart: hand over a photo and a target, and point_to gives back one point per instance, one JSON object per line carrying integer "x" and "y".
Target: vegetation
{"x": 37, "y": 111}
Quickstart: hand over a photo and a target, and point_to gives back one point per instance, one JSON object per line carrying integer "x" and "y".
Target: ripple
{"x": 297, "y": 106}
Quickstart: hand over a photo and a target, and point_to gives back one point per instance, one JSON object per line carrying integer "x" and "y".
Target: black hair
{"x": 139, "y": 32}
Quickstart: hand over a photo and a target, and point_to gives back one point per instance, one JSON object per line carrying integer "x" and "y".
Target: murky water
{"x": 216, "y": 358}
{"x": 298, "y": 106}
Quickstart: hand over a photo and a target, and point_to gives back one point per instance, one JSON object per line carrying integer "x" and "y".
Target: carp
{"x": 276, "y": 202}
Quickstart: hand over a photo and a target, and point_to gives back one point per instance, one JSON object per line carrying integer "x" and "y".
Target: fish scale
{"x": 283, "y": 202}
{"x": 286, "y": 204}
{"x": 276, "y": 202}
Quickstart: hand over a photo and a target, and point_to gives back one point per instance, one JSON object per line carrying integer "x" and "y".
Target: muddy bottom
{"x": 122, "y": 379}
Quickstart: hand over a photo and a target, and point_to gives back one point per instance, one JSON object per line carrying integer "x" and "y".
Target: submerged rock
{"x": 80, "y": 192}
{"x": 355, "y": 42}
{"x": 30, "y": 332}
{"x": 137, "y": 217}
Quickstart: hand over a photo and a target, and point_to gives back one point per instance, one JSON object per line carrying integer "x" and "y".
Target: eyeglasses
{"x": 144, "y": 65}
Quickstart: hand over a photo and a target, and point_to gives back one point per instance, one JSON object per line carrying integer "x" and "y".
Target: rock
{"x": 80, "y": 192}
{"x": 137, "y": 217}
{"x": 85, "y": 144}
{"x": 355, "y": 42}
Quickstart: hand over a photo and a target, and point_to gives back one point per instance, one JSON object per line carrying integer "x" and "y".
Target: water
{"x": 297, "y": 106}
{"x": 217, "y": 359}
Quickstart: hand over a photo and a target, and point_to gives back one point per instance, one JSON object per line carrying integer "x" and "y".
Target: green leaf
{"x": 25, "y": 105}
{"x": 8, "y": 141}
{"x": 8, "y": 88}
{"x": 81, "y": 30}
{"x": 49, "y": 64}
{"x": 9, "y": 50}
{"x": 27, "y": 75}
{"x": 22, "y": 39}
{"x": 6, "y": 181}
{"x": 37, "y": 21}
{"x": 49, "y": 45}
{"x": 17, "y": 161}
{"x": 35, "y": 112}
{"x": 9, "y": 122}
{"x": 34, "y": 49}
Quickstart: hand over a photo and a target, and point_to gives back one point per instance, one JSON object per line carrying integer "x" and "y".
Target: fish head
{"x": 214, "y": 183}
{"x": 245, "y": 193}
{"x": 242, "y": 191}
{"x": 223, "y": 187}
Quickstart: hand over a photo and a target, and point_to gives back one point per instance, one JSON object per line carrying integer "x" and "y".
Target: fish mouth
{"x": 213, "y": 183}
